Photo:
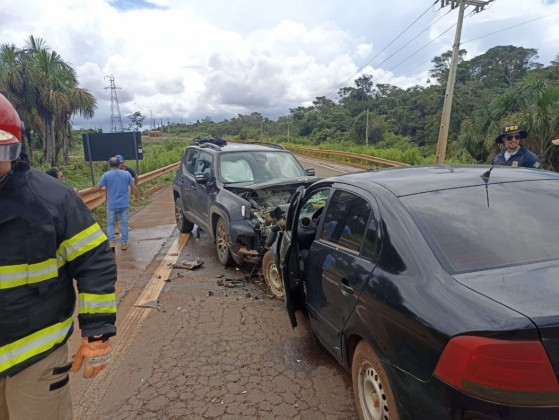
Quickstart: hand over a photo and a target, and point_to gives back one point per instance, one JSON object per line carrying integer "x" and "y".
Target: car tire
{"x": 371, "y": 388}
{"x": 221, "y": 240}
{"x": 272, "y": 275}
{"x": 183, "y": 224}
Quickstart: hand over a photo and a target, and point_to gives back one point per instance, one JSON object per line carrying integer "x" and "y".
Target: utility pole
{"x": 447, "y": 106}
{"x": 367, "y": 129}
{"x": 116, "y": 119}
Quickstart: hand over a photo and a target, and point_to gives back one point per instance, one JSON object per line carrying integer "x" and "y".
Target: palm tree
{"x": 80, "y": 102}
{"x": 13, "y": 70}
{"x": 533, "y": 103}
{"x": 56, "y": 96}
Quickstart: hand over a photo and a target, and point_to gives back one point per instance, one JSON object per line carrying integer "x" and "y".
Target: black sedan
{"x": 437, "y": 287}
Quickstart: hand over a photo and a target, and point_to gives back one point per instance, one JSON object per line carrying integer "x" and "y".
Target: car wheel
{"x": 223, "y": 252}
{"x": 272, "y": 275}
{"x": 371, "y": 388}
{"x": 182, "y": 223}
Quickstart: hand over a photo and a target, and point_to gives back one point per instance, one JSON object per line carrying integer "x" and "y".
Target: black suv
{"x": 228, "y": 190}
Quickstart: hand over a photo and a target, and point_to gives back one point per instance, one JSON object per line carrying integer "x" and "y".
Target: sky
{"x": 180, "y": 61}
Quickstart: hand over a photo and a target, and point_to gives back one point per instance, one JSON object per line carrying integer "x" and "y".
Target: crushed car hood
{"x": 268, "y": 195}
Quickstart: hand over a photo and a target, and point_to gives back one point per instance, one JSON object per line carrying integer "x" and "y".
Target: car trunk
{"x": 532, "y": 290}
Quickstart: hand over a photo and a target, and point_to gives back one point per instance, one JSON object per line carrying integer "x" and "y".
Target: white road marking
{"x": 87, "y": 406}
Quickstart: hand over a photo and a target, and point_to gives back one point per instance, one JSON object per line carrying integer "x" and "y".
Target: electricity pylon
{"x": 116, "y": 119}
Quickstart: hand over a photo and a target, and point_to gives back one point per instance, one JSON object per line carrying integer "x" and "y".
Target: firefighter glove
{"x": 95, "y": 352}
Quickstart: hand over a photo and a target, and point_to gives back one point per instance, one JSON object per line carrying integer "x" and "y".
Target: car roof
{"x": 240, "y": 147}
{"x": 421, "y": 179}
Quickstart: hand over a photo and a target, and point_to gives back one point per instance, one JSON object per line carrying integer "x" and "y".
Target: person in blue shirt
{"x": 133, "y": 174}
{"x": 118, "y": 184}
{"x": 515, "y": 154}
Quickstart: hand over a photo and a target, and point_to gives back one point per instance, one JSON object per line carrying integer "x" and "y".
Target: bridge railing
{"x": 350, "y": 158}
{"x": 93, "y": 199}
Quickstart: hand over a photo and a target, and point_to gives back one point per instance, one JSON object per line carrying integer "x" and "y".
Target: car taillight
{"x": 509, "y": 372}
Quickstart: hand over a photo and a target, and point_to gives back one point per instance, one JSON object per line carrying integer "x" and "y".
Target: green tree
{"x": 441, "y": 67}
{"x": 503, "y": 65}
{"x": 137, "y": 120}
{"x": 45, "y": 93}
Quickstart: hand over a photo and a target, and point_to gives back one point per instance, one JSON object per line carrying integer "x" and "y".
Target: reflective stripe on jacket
{"x": 49, "y": 238}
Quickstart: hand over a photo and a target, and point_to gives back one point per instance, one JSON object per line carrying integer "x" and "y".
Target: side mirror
{"x": 201, "y": 177}
{"x": 309, "y": 171}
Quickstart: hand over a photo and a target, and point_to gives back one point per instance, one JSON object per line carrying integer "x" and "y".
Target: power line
{"x": 391, "y": 42}
{"x": 406, "y": 44}
{"x": 402, "y": 62}
{"x": 434, "y": 39}
{"x": 424, "y": 46}
{"x": 510, "y": 27}
{"x": 483, "y": 36}
{"x": 462, "y": 43}
{"x": 417, "y": 51}
{"x": 400, "y": 34}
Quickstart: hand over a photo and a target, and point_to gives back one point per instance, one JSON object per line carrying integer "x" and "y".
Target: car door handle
{"x": 346, "y": 288}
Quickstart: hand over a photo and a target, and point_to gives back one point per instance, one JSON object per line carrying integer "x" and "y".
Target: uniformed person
{"x": 514, "y": 153}
{"x": 48, "y": 239}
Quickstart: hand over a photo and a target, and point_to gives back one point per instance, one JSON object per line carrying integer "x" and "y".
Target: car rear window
{"x": 479, "y": 228}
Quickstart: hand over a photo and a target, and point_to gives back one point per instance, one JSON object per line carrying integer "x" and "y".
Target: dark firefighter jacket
{"x": 523, "y": 157}
{"x": 48, "y": 237}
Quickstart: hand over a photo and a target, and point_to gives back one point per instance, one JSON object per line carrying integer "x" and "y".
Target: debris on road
{"x": 190, "y": 264}
{"x": 231, "y": 282}
{"x": 156, "y": 304}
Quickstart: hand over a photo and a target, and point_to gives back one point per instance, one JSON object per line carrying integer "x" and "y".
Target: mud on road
{"x": 223, "y": 352}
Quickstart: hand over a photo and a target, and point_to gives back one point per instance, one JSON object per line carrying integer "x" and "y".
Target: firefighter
{"x": 48, "y": 239}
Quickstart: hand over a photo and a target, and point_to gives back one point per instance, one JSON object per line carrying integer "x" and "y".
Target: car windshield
{"x": 479, "y": 228}
{"x": 256, "y": 167}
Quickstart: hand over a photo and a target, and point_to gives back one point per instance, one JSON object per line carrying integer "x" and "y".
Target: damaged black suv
{"x": 229, "y": 190}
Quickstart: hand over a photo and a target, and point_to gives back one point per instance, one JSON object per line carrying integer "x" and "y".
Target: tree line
{"x": 506, "y": 84}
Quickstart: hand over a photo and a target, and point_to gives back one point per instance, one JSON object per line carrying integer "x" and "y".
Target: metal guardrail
{"x": 350, "y": 158}
{"x": 353, "y": 159}
{"x": 93, "y": 199}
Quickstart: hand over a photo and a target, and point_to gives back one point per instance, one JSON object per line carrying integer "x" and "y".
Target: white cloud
{"x": 187, "y": 60}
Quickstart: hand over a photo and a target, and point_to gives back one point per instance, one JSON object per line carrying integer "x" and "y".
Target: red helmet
{"x": 10, "y": 131}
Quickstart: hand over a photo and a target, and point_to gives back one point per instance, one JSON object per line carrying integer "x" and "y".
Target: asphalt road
{"x": 215, "y": 346}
